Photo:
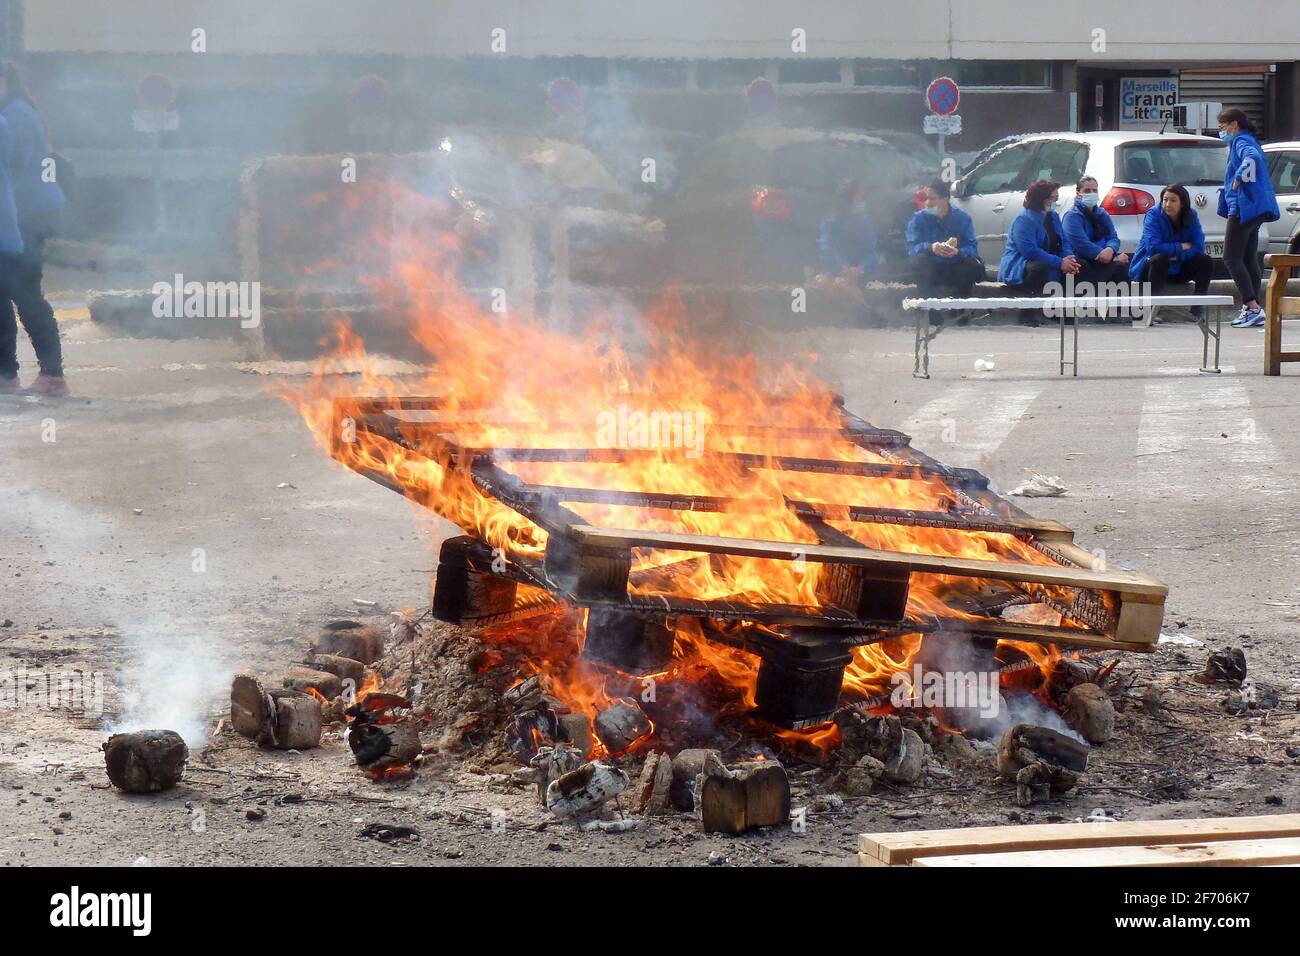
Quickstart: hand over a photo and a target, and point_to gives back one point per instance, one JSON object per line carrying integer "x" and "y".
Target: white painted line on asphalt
{"x": 968, "y": 422}
{"x": 1199, "y": 437}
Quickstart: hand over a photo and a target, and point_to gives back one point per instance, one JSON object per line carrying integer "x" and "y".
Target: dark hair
{"x": 1234, "y": 115}
{"x": 14, "y": 88}
{"x": 942, "y": 187}
{"x": 1179, "y": 190}
{"x": 1078, "y": 187}
{"x": 1039, "y": 192}
{"x": 845, "y": 195}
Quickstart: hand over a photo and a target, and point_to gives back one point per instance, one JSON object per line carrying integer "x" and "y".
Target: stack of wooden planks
{"x": 1214, "y": 841}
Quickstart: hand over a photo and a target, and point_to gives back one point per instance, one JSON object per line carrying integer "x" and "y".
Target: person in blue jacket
{"x": 1038, "y": 251}
{"x": 37, "y": 200}
{"x": 941, "y": 245}
{"x": 848, "y": 239}
{"x": 1092, "y": 236}
{"x": 1172, "y": 246}
{"x": 11, "y": 246}
{"x": 1247, "y": 201}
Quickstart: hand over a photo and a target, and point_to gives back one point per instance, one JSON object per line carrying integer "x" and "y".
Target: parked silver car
{"x": 1284, "y": 168}
{"x": 1130, "y": 169}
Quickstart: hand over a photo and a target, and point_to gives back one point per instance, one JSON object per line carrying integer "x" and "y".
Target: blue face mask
{"x": 1089, "y": 199}
{"x": 929, "y": 210}
{"x": 1225, "y": 135}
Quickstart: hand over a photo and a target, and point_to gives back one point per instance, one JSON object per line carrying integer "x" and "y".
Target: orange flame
{"x": 673, "y": 400}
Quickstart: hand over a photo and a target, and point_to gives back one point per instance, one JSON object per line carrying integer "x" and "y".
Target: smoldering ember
{"x": 548, "y": 434}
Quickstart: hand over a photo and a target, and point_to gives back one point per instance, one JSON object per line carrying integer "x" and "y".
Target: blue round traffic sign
{"x": 942, "y": 96}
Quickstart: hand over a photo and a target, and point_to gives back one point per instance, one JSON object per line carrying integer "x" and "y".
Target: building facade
{"x": 254, "y": 77}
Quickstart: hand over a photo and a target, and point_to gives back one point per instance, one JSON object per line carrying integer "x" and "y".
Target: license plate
{"x": 1214, "y": 250}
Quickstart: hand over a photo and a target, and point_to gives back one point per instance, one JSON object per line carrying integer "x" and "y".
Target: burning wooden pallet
{"x": 572, "y": 544}
{"x": 1216, "y": 841}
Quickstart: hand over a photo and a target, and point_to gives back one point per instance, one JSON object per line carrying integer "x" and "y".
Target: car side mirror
{"x": 959, "y": 188}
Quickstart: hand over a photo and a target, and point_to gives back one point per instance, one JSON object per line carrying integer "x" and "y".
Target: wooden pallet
{"x": 1276, "y": 305}
{"x": 1213, "y": 841}
{"x": 865, "y": 590}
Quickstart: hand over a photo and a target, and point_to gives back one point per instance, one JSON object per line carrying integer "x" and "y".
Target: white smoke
{"x": 174, "y": 673}
{"x": 172, "y": 681}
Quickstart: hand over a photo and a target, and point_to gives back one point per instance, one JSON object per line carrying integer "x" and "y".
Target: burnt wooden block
{"x": 628, "y": 643}
{"x": 621, "y": 725}
{"x": 324, "y": 683}
{"x": 586, "y": 572}
{"x": 755, "y": 794}
{"x": 145, "y": 761}
{"x": 869, "y": 594}
{"x": 351, "y": 639}
{"x": 462, "y": 591}
{"x": 800, "y": 678}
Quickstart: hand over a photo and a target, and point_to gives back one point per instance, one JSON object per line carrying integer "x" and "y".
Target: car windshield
{"x": 1159, "y": 163}
{"x": 808, "y": 164}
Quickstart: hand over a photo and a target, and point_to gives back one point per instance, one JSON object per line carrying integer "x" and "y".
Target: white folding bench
{"x": 1065, "y": 307}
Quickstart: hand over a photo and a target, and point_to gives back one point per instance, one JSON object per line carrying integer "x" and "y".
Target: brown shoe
{"x": 8, "y": 386}
{"x": 51, "y": 386}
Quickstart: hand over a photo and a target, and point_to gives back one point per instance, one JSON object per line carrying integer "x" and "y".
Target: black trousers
{"x": 1199, "y": 270}
{"x": 1037, "y": 275}
{"x": 959, "y": 274}
{"x": 1241, "y": 256}
{"x": 1098, "y": 272}
{"x": 20, "y": 288}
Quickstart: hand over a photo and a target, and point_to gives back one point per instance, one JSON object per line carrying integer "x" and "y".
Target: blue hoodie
{"x": 38, "y": 202}
{"x": 924, "y": 229}
{"x": 1159, "y": 235}
{"x": 1026, "y": 241}
{"x": 1090, "y": 230}
{"x": 848, "y": 241}
{"x": 1248, "y": 167}
{"x": 11, "y": 240}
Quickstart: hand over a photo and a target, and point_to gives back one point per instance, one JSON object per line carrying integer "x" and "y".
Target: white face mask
{"x": 1089, "y": 199}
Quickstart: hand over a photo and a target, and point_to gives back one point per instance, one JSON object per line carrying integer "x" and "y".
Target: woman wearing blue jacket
{"x": 1092, "y": 236}
{"x": 1172, "y": 246}
{"x": 1247, "y": 201}
{"x": 37, "y": 201}
{"x": 1038, "y": 251}
{"x": 848, "y": 239}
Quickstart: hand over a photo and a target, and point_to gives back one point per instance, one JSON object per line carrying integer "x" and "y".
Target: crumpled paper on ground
{"x": 1040, "y": 486}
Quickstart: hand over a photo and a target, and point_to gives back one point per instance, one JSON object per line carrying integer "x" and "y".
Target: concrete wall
{"x": 1192, "y": 30}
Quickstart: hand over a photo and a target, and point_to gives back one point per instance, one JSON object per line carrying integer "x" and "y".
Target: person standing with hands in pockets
{"x": 1247, "y": 202}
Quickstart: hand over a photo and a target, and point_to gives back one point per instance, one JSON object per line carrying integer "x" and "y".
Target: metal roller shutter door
{"x": 1244, "y": 90}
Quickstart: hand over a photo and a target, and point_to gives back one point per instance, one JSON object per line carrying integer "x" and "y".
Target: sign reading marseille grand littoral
{"x": 1146, "y": 101}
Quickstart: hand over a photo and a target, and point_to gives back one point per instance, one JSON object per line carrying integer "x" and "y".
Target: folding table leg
{"x": 1206, "y": 335}
{"x": 921, "y": 350}
{"x": 1061, "y": 367}
{"x": 1074, "y": 364}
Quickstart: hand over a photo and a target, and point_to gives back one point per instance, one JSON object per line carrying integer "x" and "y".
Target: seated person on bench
{"x": 941, "y": 245}
{"x": 1038, "y": 251}
{"x": 1093, "y": 237}
{"x": 847, "y": 242}
{"x": 1172, "y": 246}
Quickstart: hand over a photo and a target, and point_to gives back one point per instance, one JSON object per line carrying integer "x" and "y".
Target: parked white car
{"x": 1130, "y": 168}
{"x": 1284, "y": 168}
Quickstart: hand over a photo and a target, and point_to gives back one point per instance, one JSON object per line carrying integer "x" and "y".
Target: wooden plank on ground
{"x": 902, "y": 848}
{"x": 1222, "y": 853}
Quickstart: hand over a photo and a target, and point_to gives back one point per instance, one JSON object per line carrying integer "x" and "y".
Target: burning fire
{"x": 507, "y": 380}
